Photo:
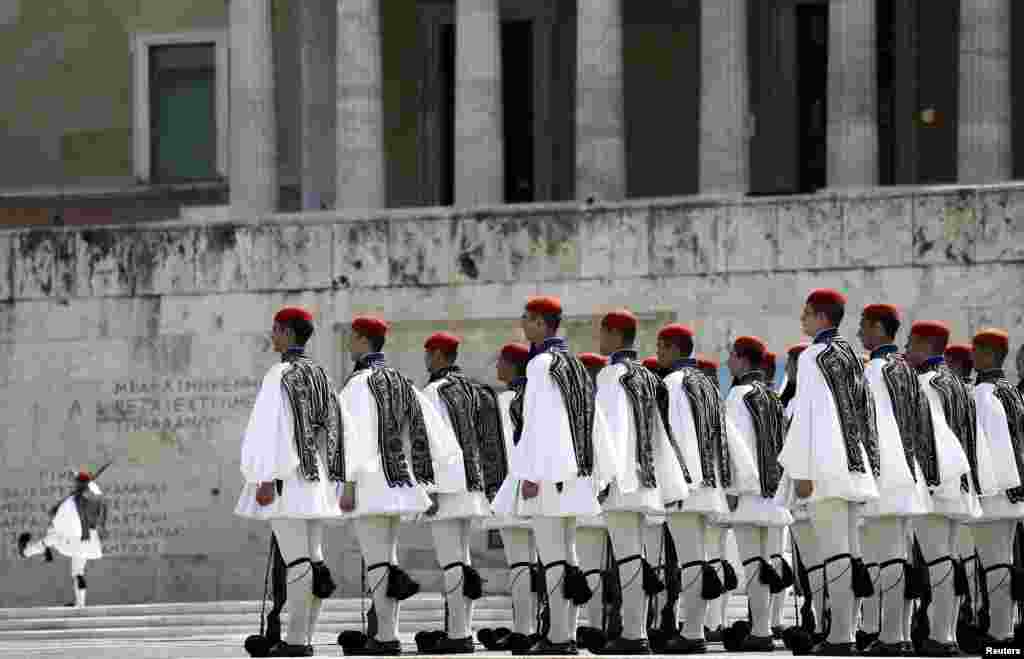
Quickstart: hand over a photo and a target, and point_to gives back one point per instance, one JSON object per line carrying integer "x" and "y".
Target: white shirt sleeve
{"x": 268, "y": 446}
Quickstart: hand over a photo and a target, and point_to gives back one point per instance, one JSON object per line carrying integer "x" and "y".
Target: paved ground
{"x": 194, "y": 648}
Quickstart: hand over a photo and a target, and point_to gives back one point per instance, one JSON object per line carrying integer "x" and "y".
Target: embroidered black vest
{"x": 578, "y": 393}
{"x": 769, "y": 421}
{"x": 473, "y": 409}
{"x": 709, "y": 425}
{"x": 316, "y": 417}
{"x": 1013, "y": 405}
{"x": 515, "y": 410}
{"x": 908, "y": 406}
{"x": 398, "y": 412}
{"x": 92, "y": 510}
{"x": 843, "y": 371}
{"x": 642, "y": 389}
{"x": 961, "y": 417}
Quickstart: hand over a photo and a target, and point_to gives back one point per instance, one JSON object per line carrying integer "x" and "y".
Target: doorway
{"x": 517, "y": 90}
{"x": 812, "y": 95}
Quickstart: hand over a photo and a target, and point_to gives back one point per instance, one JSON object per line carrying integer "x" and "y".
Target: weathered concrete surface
{"x": 147, "y": 344}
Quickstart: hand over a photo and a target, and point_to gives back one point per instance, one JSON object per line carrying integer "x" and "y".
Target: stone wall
{"x": 146, "y": 344}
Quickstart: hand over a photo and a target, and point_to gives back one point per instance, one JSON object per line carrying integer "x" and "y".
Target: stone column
{"x": 984, "y": 134}
{"x": 600, "y": 121}
{"x": 479, "y": 148}
{"x": 724, "y": 97}
{"x": 852, "y": 93}
{"x": 362, "y": 179}
{"x": 253, "y": 163}
{"x": 318, "y": 143}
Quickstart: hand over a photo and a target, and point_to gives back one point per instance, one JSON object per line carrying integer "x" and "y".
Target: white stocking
{"x": 626, "y": 530}
{"x": 689, "y": 533}
{"x": 995, "y": 547}
{"x": 833, "y": 520}
{"x": 556, "y": 542}
{"x": 804, "y": 538}
{"x": 520, "y": 548}
{"x": 592, "y": 550}
{"x": 753, "y": 543}
{"x": 452, "y": 545}
{"x": 937, "y": 537}
{"x": 378, "y": 541}
{"x": 885, "y": 539}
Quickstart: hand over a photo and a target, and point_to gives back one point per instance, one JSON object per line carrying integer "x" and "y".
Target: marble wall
{"x": 146, "y": 344}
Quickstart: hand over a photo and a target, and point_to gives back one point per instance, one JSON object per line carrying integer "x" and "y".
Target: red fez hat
{"x": 83, "y": 476}
{"x": 651, "y": 363}
{"x": 619, "y": 319}
{"x": 994, "y": 338}
{"x": 751, "y": 343}
{"x": 292, "y": 313}
{"x": 769, "y": 358}
{"x": 932, "y": 329}
{"x": 592, "y": 359}
{"x": 515, "y": 353}
{"x": 546, "y": 304}
{"x": 797, "y": 348}
{"x": 369, "y": 326}
{"x": 675, "y": 331}
{"x": 703, "y": 361}
{"x": 826, "y": 296}
{"x": 442, "y": 341}
{"x": 959, "y": 352}
{"x": 881, "y": 311}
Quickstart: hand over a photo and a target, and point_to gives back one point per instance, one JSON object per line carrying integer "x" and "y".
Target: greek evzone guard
{"x": 77, "y": 525}
{"x": 956, "y": 468}
{"x": 594, "y": 553}
{"x": 293, "y": 455}
{"x": 561, "y": 459}
{"x": 469, "y": 409}
{"x": 960, "y": 359}
{"x": 713, "y": 464}
{"x": 758, "y": 419}
{"x": 516, "y": 532}
{"x": 1000, "y": 408}
{"x": 401, "y": 457}
{"x": 903, "y": 494}
{"x": 830, "y": 459}
{"x": 635, "y": 404}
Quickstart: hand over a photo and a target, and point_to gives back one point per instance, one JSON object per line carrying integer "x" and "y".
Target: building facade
{"x": 126, "y": 111}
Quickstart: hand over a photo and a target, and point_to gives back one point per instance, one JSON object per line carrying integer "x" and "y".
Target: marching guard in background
{"x": 697, "y": 421}
{"x": 470, "y": 411}
{"x": 830, "y": 460}
{"x": 399, "y": 456}
{"x": 950, "y": 457}
{"x": 960, "y": 360}
{"x": 516, "y": 532}
{"x": 77, "y": 526}
{"x": 635, "y": 406}
{"x": 903, "y": 493}
{"x": 293, "y": 454}
{"x": 1001, "y": 419}
{"x": 562, "y": 459}
{"x": 757, "y": 417}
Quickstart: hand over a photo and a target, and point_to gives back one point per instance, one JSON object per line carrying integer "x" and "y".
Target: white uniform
{"x": 815, "y": 450}
{"x": 299, "y": 509}
{"x": 380, "y": 507}
{"x": 757, "y": 521}
{"x": 885, "y": 528}
{"x": 994, "y": 531}
{"x": 938, "y": 533}
{"x": 65, "y": 535}
{"x": 545, "y": 455}
{"x": 451, "y": 527}
{"x": 517, "y": 538}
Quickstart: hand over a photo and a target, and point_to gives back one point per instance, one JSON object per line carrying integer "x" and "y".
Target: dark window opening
{"x": 812, "y": 86}
{"x": 183, "y": 118}
{"x": 517, "y": 110}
